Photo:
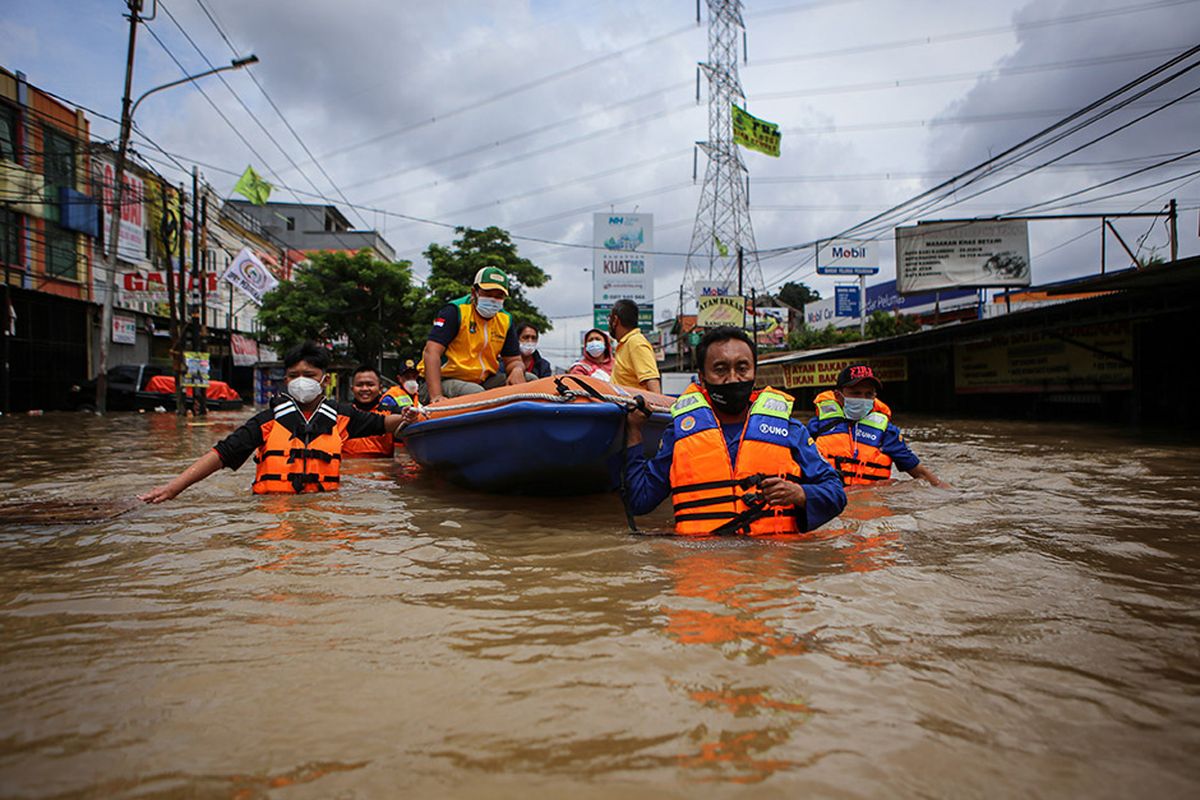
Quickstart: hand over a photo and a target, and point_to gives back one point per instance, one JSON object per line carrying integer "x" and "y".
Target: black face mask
{"x": 730, "y": 398}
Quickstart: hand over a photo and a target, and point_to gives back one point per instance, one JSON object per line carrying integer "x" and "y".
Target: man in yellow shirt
{"x": 635, "y": 365}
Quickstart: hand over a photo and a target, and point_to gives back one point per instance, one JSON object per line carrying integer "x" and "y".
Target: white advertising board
{"x": 847, "y": 257}
{"x": 962, "y": 255}
{"x": 124, "y": 330}
{"x": 131, "y": 236}
{"x": 621, "y": 266}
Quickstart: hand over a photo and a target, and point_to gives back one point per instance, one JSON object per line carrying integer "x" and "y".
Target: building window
{"x": 8, "y": 133}
{"x": 10, "y": 227}
{"x": 291, "y": 223}
{"x": 60, "y": 252}
{"x": 58, "y": 166}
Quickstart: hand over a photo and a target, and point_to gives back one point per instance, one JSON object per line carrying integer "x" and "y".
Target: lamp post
{"x": 114, "y": 227}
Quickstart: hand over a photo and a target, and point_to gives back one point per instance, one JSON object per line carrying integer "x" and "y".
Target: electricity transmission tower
{"x": 723, "y": 216}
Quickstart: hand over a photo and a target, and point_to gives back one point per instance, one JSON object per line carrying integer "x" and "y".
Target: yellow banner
{"x": 721, "y": 310}
{"x": 755, "y": 134}
{"x": 823, "y": 374}
{"x": 1088, "y": 357}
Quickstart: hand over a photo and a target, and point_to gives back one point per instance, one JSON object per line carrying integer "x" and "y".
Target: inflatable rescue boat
{"x": 551, "y": 436}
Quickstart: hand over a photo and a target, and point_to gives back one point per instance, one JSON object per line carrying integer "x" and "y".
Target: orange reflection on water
{"x": 250, "y": 786}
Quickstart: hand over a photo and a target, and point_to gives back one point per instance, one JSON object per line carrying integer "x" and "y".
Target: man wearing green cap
{"x": 470, "y": 339}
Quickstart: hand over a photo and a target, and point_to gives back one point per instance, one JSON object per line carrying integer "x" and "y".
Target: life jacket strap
{"x": 298, "y": 453}
{"x": 706, "y": 501}
{"x": 743, "y": 483}
{"x": 705, "y": 515}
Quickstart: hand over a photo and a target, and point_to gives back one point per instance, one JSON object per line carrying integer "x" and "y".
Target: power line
{"x": 276, "y": 108}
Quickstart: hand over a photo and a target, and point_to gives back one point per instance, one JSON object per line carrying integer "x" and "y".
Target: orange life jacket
{"x": 852, "y": 449}
{"x": 298, "y": 456}
{"x": 381, "y": 446}
{"x": 707, "y": 490}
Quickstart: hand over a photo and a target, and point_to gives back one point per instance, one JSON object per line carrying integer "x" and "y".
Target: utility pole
{"x": 114, "y": 227}
{"x": 177, "y": 336}
{"x": 1172, "y": 223}
{"x": 197, "y": 403}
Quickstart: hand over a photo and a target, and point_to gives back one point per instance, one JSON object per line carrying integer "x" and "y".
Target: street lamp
{"x": 115, "y": 223}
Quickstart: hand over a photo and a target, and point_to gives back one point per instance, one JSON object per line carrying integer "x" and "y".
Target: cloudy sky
{"x": 534, "y": 114}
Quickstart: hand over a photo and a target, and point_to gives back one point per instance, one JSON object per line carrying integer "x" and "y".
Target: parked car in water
{"x": 124, "y": 382}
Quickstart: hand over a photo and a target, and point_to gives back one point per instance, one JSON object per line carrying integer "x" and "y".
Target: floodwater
{"x": 1033, "y": 632}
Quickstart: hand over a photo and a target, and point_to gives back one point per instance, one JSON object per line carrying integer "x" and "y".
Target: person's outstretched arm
{"x": 200, "y": 469}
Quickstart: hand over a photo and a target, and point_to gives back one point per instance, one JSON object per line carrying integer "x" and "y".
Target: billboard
{"x": 960, "y": 255}
{"x": 846, "y": 302}
{"x": 131, "y": 234}
{"x": 717, "y": 310}
{"x": 847, "y": 257}
{"x": 1085, "y": 358}
{"x": 769, "y": 326}
{"x": 823, "y": 373}
{"x": 621, "y": 264}
{"x": 884, "y": 297}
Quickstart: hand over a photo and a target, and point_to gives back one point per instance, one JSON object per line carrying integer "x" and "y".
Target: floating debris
{"x": 66, "y": 512}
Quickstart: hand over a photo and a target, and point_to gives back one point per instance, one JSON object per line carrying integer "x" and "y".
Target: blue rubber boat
{"x": 552, "y": 436}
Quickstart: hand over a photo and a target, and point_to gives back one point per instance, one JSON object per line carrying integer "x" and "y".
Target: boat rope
{"x": 565, "y": 396}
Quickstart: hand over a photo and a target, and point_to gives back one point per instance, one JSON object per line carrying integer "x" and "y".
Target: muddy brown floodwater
{"x": 1033, "y": 632}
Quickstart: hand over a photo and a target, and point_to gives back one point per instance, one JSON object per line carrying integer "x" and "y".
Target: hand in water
{"x": 159, "y": 493}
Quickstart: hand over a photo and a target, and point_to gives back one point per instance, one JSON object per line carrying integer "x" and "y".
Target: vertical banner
{"x": 195, "y": 370}
{"x": 621, "y": 264}
{"x": 131, "y": 234}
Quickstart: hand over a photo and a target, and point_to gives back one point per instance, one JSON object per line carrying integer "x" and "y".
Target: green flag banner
{"x": 721, "y": 248}
{"x": 755, "y": 134}
{"x": 253, "y": 187}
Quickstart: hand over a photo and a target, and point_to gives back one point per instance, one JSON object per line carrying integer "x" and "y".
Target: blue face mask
{"x": 488, "y": 307}
{"x": 857, "y": 407}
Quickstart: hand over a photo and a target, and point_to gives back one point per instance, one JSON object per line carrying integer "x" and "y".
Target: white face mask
{"x": 594, "y": 348}
{"x": 527, "y": 348}
{"x": 857, "y": 407}
{"x": 304, "y": 390}
{"x": 488, "y": 307}
{"x": 411, "y": 387}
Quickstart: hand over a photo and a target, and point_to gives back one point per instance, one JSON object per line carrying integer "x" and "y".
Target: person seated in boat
{"x": 853, "y": 430}
{"x": 634, "y": 365}
{"x": 527, "y": 340}
{"x": 297, "y": 443}
{"x": 404, "y": 393}
{"x": 733, "y": 460}
{"x": 367, "y": 389}
{"x": 471, "y": 339}
{"x": 597, "y": 359}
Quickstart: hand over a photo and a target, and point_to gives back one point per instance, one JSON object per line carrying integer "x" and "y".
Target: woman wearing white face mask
{"x": 597, "y": 358}
{"x": 531, "y": 359}
{"x": 297, "y": 442}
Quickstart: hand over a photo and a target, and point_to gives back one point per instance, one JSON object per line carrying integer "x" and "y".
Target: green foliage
{"x": 452, "y": 271}
{"x": 368, "y": 301}
{"x": 797, "y": 295}
{"x": 880, "y": 325}
{"x": 807, "y": 338}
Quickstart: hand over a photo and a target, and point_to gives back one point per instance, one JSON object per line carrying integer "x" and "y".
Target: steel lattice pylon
{"x": 723, "y": 215}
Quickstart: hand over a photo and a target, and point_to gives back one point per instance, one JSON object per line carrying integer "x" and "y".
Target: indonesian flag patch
{"x": 439, "y": 322}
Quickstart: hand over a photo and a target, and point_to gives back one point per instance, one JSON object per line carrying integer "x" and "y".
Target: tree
{"x": 357, "y": 296}
{"x": 797, "y": 295}
{"x": 881, "y": 325}
{"x": 452, "y": 272}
